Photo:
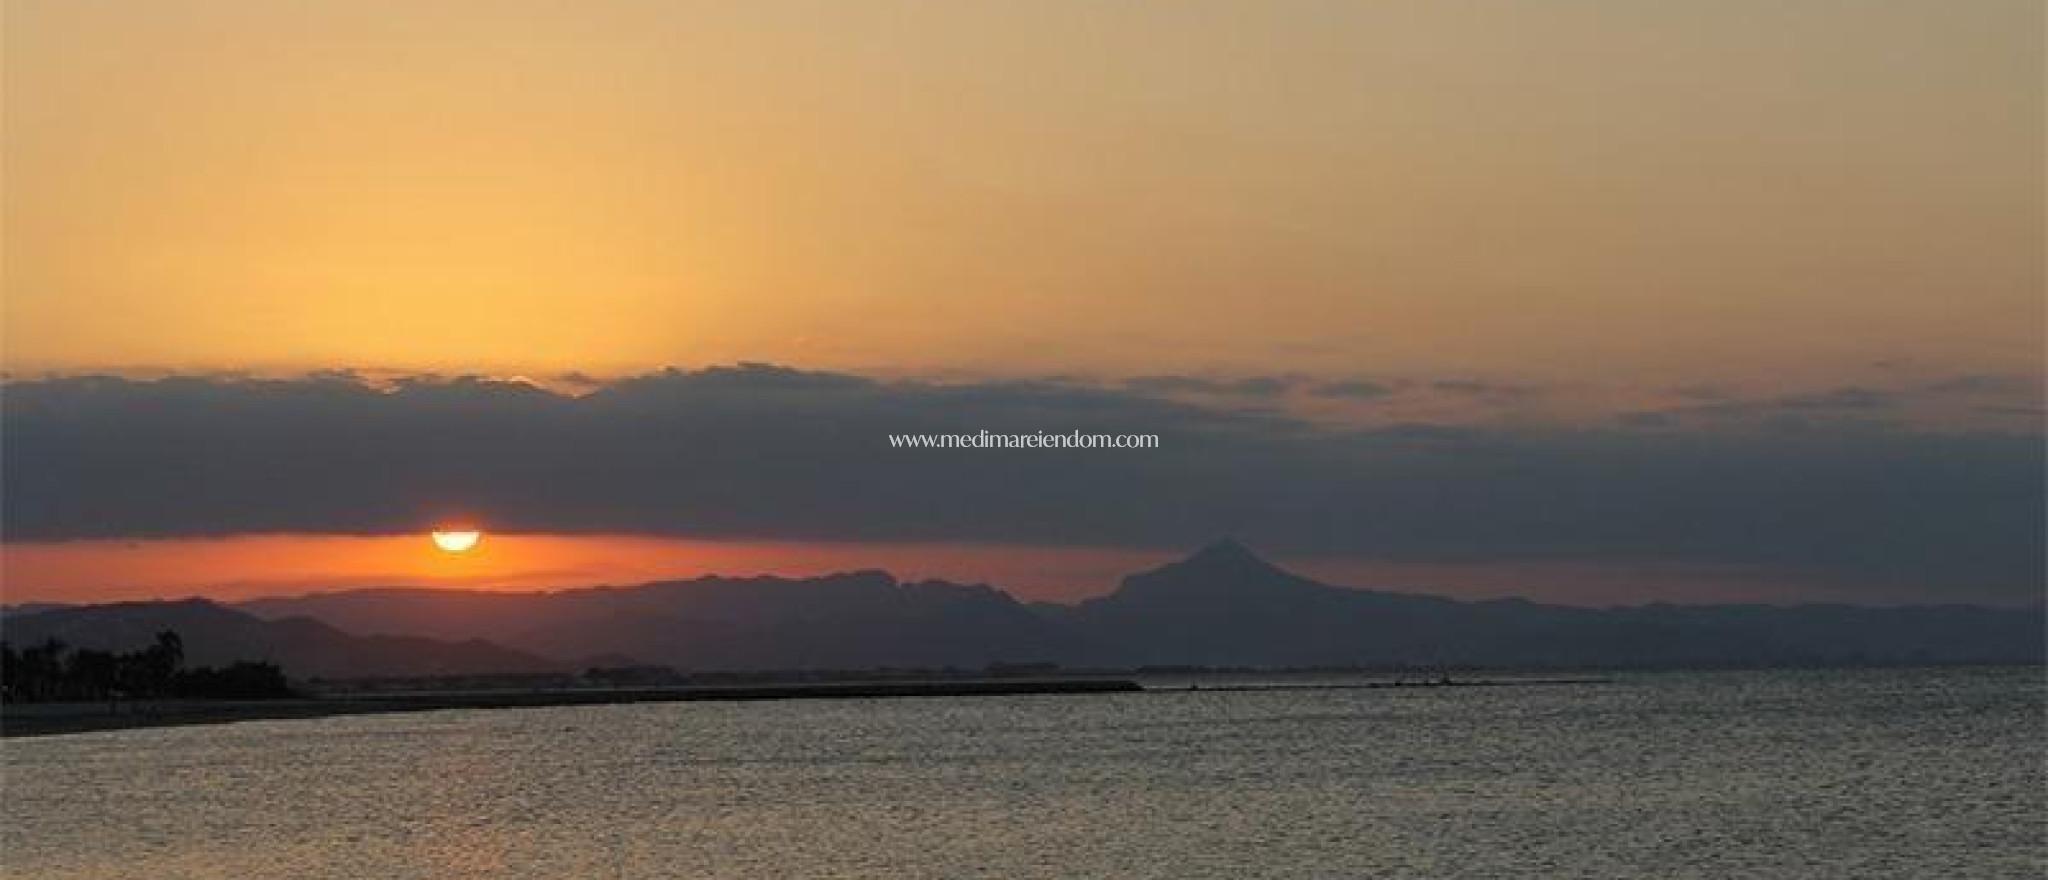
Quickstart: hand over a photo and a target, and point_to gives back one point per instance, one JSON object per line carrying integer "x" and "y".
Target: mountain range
{"x": 1221, "y": 606}
{"x": 215, "y": 635}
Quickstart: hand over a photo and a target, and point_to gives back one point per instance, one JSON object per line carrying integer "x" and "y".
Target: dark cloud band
{"x": 762, "y": 451}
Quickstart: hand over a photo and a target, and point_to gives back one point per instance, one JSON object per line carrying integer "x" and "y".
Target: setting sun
{"x": 457, "y": 541}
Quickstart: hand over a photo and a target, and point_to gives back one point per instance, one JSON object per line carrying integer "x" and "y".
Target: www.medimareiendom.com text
{"x": 1034, "y": 440}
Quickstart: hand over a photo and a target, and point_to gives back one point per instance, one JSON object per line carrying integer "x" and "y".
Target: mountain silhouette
{"x": 852, "y": 620}
{"x": 217, "y": 636}
{"x": 1223, "y": 605}
{"x": 1219, "y": 571}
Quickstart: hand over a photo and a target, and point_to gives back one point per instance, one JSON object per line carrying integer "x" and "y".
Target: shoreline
{"x": 52, "y": 719}
{"x": 56, "y": 719}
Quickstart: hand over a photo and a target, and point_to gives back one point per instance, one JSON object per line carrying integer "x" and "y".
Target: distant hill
{"x": 303, "y": 647}
{"x": 854, "y": 620}
{"x": 1221, "y": 606}
{"x": 1226, "y": 606}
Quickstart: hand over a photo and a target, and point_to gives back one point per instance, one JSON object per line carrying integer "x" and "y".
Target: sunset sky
{"x": 1589, "y": 301}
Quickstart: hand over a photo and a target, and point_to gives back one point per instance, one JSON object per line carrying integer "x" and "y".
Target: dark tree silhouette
{"x": 52, "y": 671}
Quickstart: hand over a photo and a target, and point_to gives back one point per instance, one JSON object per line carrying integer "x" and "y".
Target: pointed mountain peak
{"x": 1225, "y": 551}
{"x": 1223, "y": 568}
{"x": 1228, "y": 558}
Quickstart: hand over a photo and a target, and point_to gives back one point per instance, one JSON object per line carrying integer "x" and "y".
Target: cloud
{"x": 1647, "y": 419}
{"x": 769, "y": 452}
{"x": 1253, "y": 386}
{"x": 1847, "y": 397}
{"x": 1354, "y": 389}
{"x": 1486, "y": 390}
{"x": 1989, "y": 384}
{"x": 1701, "y": 392}
{"x": 2010, "y": 400}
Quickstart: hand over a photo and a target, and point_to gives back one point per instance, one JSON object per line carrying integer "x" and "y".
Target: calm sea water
{"x": 1914, "y": 774}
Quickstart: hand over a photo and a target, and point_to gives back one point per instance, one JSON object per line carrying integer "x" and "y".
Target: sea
{"x": 1929, "y": 773}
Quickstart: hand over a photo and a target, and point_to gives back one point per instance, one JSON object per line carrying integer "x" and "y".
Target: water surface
{"x": 1784, "y": 774}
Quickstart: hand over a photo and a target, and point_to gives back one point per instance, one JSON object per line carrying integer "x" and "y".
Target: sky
{"x": 1590, "y": 301}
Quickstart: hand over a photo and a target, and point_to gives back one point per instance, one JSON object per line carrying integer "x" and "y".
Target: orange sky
{"x": 1552, "y": 190}
{"x": 1609, "y": 199}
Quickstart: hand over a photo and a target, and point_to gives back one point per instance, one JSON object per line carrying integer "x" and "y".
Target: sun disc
{"x": 457, "y": 541}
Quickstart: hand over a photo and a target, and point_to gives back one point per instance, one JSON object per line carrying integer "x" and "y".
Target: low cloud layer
{"x": 767, "y": 452}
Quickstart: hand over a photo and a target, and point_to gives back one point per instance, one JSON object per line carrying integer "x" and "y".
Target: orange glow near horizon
{"x": 244, "y": 567}
{"x": 258, "y": 565}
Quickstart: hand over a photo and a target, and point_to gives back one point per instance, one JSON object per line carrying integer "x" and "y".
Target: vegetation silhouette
{"x": 53, "y": 672}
